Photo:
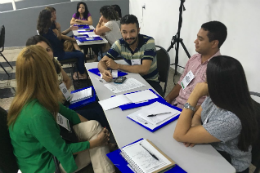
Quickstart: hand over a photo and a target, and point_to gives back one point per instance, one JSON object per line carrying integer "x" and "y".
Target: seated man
{"x": 137, "y": 50}
{"x": 209, "y": 39}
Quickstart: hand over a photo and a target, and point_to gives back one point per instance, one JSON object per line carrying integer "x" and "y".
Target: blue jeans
{"x": 76, "y": 54}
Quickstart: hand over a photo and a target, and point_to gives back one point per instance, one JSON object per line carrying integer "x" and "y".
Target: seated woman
{"x": 119, "y": 13}
{"x": 34, "y": 133}
{"x": 109, "y": 29}
{"x": 53, "y": 36}
{"x": 82, "y": 15}
{"x": 91, "y": 111}
{"x": 227, "y": 118}
{"x": 45, "y": 44}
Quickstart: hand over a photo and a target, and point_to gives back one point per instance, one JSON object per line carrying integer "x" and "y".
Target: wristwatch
{"x": 188, "y": 106}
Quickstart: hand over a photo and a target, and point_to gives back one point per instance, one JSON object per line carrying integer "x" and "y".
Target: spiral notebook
{"x": 142, "y": 156}
{"x": 81, "y": 95}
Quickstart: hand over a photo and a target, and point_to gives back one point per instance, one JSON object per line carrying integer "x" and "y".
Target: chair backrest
{"x": 255, "y": 148}
{"x": 163, "y": 65}
{"x": 7, "y": 158}
{"x": 2, "y": 38}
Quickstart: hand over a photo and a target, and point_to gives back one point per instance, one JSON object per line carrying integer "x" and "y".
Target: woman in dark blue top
{"x": 53, "y": 36}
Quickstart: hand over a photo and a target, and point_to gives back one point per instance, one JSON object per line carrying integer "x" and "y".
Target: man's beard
{"x": 133, "y": 38}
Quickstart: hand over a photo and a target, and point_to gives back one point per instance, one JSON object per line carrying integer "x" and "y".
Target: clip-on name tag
{"x": 68, "y": 96}
{"x": 187, "y": 79}
{"x": 64, "y": 122}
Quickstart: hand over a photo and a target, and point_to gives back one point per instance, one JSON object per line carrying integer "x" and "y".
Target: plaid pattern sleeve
{"x": 115, "y": 50}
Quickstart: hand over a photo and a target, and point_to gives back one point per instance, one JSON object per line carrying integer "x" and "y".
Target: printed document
{"x": 130, "y": 83}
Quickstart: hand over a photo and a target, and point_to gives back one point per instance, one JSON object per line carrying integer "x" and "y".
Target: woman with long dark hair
{"x": 53, "y": 36}
{"x": 227, "y": 118}
{"x": 82, "y": 15}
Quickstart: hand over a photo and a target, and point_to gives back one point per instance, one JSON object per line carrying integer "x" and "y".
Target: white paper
{"x": 130, "y": 83}
{"x": 135, "y": 116}
{"x": 114, "y": 102}
{"x": 141, "y": 157}
{"x": 63, "y": 121}
{"x": 141, "y": 96}
{"x": 81, "y": 95}
{"x": 157, "y": 108}
{"x": 114, "y": 73}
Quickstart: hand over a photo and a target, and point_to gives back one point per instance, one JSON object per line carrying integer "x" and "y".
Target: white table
{"x": 89, "y": 43}
{"x": 199, "y": 159}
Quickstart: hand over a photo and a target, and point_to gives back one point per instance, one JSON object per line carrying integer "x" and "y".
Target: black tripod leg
{"x": 6, "y": 60}
{"x": 185, "y": 49}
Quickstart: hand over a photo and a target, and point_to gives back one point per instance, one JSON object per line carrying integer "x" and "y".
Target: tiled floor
{"x": 10, "y": 85}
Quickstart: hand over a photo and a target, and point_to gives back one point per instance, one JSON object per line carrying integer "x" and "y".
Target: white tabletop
{"x": 104, "y": 41}
{"x": 199, "y": 159}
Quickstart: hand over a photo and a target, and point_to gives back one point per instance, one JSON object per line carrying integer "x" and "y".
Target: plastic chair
{"x": 255, "y": 148}
{"x": 2, "y": 42}
{"x": 7, "y": 158}
{"x": 163, "y": 66}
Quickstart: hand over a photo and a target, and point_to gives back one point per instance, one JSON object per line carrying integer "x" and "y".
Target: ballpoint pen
{"x": 153, "y": 115}
{"x": 149, "y": 152}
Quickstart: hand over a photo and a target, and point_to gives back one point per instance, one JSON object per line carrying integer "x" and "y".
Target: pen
{"x": 153, "y": 115}
{"x": 150, "y": 152}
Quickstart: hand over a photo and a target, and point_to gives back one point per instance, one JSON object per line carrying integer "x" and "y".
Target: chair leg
{"x": 4, "y": 70}
{"x": 6, "y": 60}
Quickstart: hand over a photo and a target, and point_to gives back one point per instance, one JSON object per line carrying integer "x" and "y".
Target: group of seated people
{"x": 212, "y": 91}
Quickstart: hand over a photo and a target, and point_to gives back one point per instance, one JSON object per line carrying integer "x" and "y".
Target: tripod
{"x": 176, "y": 39}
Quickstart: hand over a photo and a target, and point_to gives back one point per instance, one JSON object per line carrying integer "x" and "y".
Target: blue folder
{"x": 165, "y": 123}
{"x": 82, "y": 26}
{"x": 84, "y": 38}
{"x": 136, "y": 105}
{"x": 121, "y": 163}
{"x": 91, "y": 30}
{"x": 83, "y": 102}
{"x": 97, "y": 72}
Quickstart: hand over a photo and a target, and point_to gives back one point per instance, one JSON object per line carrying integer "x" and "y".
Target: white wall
{"x": 160, "y": 20}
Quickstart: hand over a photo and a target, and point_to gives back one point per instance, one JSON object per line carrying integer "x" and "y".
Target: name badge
{"x": 63, "y": 121}
{"x": 114, "y": 73}
{"x": 65, "y": 92}
{"x": 136, "y": 61}
{"x": 187, "y": 79}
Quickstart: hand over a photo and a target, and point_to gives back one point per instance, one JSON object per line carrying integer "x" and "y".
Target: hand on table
{"x": 78, "y": 20}
{"x": 107, "y": 76}
{"x": 72, "y": 27}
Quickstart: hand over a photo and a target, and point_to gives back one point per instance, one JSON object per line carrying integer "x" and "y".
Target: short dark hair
{"x": 228, "y": 90}
{"x": 217, "y": 31}
{"x": 38, "y": 38}
{"x": 85, "y": 15}
{"x": 118, "y": 10}
{"x": 129, "y": 18}
{"x": 109, "y": 13}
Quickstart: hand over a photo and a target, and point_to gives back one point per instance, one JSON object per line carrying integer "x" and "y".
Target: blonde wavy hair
{"x": 36, "y": 79}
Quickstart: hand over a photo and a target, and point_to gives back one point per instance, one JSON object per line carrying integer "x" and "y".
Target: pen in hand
{"x": 150, "y": 152}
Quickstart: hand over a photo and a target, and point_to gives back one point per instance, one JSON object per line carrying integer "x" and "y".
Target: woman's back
{"x": 114, "y": 34}
{"x": 56, "y": 44}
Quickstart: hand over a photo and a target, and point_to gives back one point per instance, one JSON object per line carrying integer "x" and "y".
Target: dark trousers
{"x": 156, "y": 86}
{"x": 228, "y": 158}
{"x": 80, "y": 56}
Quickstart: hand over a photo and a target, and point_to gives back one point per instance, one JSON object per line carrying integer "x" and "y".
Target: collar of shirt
{"x": 140, "y": 44}
{"x": 216, "y": 54}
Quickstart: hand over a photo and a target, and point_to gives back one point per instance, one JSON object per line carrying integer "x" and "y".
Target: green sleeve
{"x": 45, "y": 129}
{"x": 70, "y": 114}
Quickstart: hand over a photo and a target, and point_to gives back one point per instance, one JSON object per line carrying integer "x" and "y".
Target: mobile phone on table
{"x": 120, "y": 79}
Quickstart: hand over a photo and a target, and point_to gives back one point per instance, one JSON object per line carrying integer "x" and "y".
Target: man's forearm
{"x": 133, "y": 69}
{"x": 174, "y": 93}
{"x": 102, "y": 66}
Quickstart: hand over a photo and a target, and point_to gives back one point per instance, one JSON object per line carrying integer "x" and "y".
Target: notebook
{"x": 142, "y": 156}
{"x": 81, "y": 95}
{"x": 154, "y": 123}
